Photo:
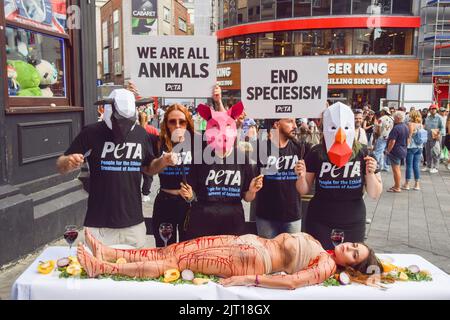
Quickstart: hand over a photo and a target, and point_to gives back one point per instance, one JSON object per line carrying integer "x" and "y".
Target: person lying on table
{"x": 246, "y": 260}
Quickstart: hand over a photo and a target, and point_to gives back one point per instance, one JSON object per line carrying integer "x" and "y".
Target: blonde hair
{"x": 143, "y": 119}
{"x": 415, "y": 116}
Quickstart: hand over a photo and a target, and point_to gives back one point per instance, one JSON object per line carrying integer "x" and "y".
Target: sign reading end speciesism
{"x": 284, "y": 87}
{"x": 174, "y": 66}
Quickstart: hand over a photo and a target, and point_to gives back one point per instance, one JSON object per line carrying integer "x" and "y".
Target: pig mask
{"x": 339, "y": 133}
{"x": 221, "y": 129}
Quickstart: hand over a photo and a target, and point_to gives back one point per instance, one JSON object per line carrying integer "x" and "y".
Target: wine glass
{"x": 70, "y": 234}
{"x": 165, "y": 232}
{"x": 337, "y": 236}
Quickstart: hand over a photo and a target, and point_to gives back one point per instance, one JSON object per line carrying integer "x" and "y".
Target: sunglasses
{"x": 174, "y": 122}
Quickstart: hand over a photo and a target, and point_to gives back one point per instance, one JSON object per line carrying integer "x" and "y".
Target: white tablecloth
{"x": 34, "y": 286}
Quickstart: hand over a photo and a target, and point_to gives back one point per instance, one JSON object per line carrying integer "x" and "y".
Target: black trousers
{"x": 208, "y": 219}
{"x": 146, "y": 184}
{"x": 349, "y": 216}
{"x": 172, "y": 209}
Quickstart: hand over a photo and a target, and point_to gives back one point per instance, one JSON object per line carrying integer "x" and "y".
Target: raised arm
{"x": 318, "y": 273}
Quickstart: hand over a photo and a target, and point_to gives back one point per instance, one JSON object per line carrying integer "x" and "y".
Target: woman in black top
{"x": 177, "y": 133}
{"x": 341, "y": 175}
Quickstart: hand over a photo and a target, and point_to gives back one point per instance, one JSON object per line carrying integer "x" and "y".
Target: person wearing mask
{"x": 278, "y": 206}
{"x": 341, "y": 170}
{"x": 382, "y": 129}
{"x": 414, "y": 151}
{"x": 360, "y": 133}
{"x": 117, "y": 150}
{"x": 397, "y": 148}
{"x": 436, "y": 129}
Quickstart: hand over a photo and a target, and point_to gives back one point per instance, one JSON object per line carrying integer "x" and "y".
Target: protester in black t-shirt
{"x": 342, "y": 170}
{"x": 176, "y": 139}
{"x": 221, "y": 180}
{"x": 117, "y": 150}
{"x": 278, "y": 204}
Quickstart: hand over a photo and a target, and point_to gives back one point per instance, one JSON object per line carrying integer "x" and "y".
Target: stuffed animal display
{"x": 49, "y": 76}
{"x": 27, "y": 77}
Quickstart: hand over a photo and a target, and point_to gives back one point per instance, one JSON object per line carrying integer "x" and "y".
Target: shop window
{"x": 321, "y": 42}
{"x": 282, "y": 44}
{"x": 35, "y": 62}
{"x": 302, "y": 43}
{"x": 341, "y": 41}
{"x": 265, "y": 45}
{"x": 393, "y": 42}
{"x": 284, "y": 9}
{"x": 245, "y": 46}
{"x": 321, "y": 7}
{"x": 342, "y": 6}
{"x": 254, "y": 10}
{"x": 242, "y": 15}
{"x": 229, "y": 50}
{"x": 267, "y": 9}
{"x": 402, "y": 6}
{"x": 363, "y": 41}
{"x": 233, "y": 12}
{"x": 221, "y": 50}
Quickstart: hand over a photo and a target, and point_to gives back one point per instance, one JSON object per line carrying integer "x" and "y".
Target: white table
{"x": 33, "y": 286}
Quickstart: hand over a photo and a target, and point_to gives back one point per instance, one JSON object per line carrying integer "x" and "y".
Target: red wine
{"x": 337, "y": 239}
{"x": 71, "y": 236}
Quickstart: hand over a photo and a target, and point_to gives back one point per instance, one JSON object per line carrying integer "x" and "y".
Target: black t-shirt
{"x": 278, "y": 199}
{"x": 224, "y": 181}
{"x": 337, "y": 184}
{"x": 115, "y": 175}
{"x": 171, "y": 177}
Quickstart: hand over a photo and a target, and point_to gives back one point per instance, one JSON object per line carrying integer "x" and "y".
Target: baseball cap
{"x": 433, "y": 106}
{"x": 442, "y": 109}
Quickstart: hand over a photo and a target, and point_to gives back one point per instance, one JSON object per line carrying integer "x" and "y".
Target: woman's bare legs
{"x": 105, "y": 253}
{"x": 95, "y": 267}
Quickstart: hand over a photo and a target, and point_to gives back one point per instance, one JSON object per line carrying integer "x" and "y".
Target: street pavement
{"x": 414, "y": 222}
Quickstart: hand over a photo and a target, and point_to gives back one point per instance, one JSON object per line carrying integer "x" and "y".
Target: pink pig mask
{"x": 221, "y": 129}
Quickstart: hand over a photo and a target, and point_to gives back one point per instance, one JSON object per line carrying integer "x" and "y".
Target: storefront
{"x": 355, "y": 82}
{"x": 47, "y": 91}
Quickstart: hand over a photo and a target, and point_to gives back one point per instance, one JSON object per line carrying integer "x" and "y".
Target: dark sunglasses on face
{"x": 174, "y": 122}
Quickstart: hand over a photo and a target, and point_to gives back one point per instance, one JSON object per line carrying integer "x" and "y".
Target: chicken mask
{"x": 339, "y": 133}
{"x": 221, "y": 129}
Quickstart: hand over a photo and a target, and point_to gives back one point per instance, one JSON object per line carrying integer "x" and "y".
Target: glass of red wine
{"x": 165, "y": 232}
{"x": 70, "y": 234}
{"x": 337, "y": 236}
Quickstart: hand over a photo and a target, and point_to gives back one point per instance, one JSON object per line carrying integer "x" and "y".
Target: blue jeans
{"x": 413, "y": 163}
{"x": 380, "y": 146}
{"x": 269, "y": 229}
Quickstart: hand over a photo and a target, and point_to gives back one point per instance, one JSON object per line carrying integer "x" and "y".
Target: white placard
{"x": 284, "y": 87}
{"x": 174, "y": 66}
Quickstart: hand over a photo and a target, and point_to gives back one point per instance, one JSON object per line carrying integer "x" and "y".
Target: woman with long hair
{"x": 241, "y": 260}
{"x": 341, "y": 170}
{"x": 177, "y": 133}
{"x": 414, "y": 151}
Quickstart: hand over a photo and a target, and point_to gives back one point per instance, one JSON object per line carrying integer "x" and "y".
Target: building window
{"x": 282, "y": 44}
{"x": 229, "y": 49}
{"x": 245, "y": 47}
{"x": 393, "y": 41}
{"x": 267, "y": 9}
{"x": 402, "y": 6}
{"x": 166, "y": 14}
{"x": 342, "y": 6}
{"x": 221, "y": 50}
{"x": 254, "y": 10}
{"x": 284, "y": 9}
{"x": 242, "y": 15}
{"x": 321, "y": 42}
{"x": 226, "y": 12}
{"x": 182, "y": 25}
{"x": 363, "y": 41}
{"x": 321, "y": 7}
{"x": 364, "y": 7}
{"x": 341, "y": 41}
{"x": 35, "y": 62}
{"x": 265, "y": 45}
{"x": 302, "y": 8}
{"x": 233, "y": 13}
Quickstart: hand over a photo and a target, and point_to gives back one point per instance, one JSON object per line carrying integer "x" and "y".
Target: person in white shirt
{"x": 360, "y": 133}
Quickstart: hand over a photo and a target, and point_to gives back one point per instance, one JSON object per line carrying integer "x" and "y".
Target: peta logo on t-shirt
{"x": 349, "y": 170}
{"x": 282, "y": 163}
{"x": 128, "y": 150}
{"x": 184, "y": 158}
{"x": 225, "y": 177}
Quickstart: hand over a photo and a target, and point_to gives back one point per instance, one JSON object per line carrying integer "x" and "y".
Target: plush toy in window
{"x": 49, "y": 76}
{"x": 13, "y": 85}
{"x": 28, "y": 79}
